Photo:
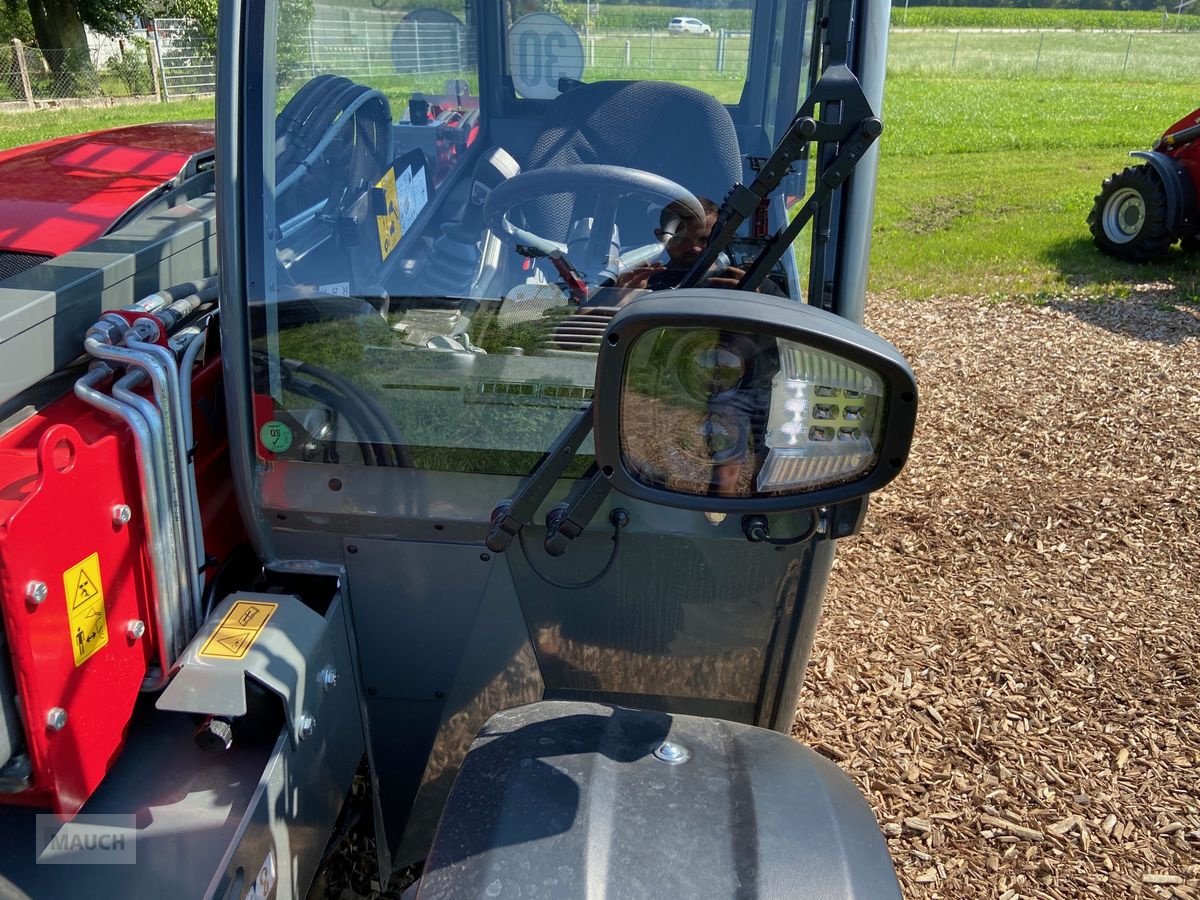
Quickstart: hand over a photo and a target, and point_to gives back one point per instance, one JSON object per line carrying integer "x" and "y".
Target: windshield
{"x": 459, "y": 197}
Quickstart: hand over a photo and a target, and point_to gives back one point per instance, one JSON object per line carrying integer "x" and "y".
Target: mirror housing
{"x": 735, "y": 402}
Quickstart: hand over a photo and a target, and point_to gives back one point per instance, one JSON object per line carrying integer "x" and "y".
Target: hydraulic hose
{"x": 168, "y": 525}
{"x": 364, "y": 96}
{"x": 169, "y": 391}
{"x": 347, "y": 388}
{"x": 170, "y": 635}
{"x": 168, "y": 407}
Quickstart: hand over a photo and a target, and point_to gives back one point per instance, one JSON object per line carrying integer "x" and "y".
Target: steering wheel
{"x": 609, "y": 184}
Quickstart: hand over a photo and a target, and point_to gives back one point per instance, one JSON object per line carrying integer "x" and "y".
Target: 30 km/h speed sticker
{"x": 238, "y": 630}
{"x": 85, "y": 608}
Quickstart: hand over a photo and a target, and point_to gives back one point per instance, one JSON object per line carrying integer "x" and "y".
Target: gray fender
{"x": 1181, "y": 197}
{"x": 561, "y": 799}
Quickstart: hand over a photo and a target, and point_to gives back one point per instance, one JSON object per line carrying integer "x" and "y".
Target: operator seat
{"x": 671, "y": 130}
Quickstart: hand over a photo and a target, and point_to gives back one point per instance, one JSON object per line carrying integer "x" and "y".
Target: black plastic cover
{"x": 560, "y": 799}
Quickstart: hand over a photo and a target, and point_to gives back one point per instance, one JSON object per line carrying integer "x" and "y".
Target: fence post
{"x": 627, "y": 54}
{"x": 19, "y": 52}
{"x": 312, "y": 52}
{"x": 651, "y": 51}
{"x": 1128, "y": 48}
{"x": 591, "y": 51}
{"x": 153, "y": 73}
{"x": 417, "y": 43}
{"x": 166, "y": 89}
{"x": 954, "y": 58}
{"x": 1038, "y": 62}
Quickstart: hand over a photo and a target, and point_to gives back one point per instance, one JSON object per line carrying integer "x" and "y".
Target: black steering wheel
{"x": 609, "y": 184}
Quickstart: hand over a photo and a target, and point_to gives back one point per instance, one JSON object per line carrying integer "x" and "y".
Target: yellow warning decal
{"x": 238, "y": 630}
{"x": 390, "y": 229}
{"x": 85, "y": 608}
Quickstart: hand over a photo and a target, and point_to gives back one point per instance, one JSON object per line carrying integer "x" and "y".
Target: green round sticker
{"x": 275, "y": 436}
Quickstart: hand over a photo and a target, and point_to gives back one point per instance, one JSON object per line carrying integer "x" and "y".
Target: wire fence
{"x": 174, "y": 60}
{"x": 31, "y": 77}
{"x": 1154, "y": 57}
{"x": 185, "y": 59}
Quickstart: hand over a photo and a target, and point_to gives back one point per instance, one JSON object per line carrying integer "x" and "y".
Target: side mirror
{"x": 724, "y": 401}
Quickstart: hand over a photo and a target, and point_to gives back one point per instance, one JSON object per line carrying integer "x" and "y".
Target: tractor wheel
{"x": 1191, "y": 243}
{"x": 1128, "y": 220}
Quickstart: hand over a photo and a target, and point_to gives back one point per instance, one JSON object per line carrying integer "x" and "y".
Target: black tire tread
{"x": 1155, "y": 237}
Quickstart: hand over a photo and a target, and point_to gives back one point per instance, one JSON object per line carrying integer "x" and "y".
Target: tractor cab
{"x": 538, "y": 353}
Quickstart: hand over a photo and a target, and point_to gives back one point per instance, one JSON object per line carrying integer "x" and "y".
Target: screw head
{"x": 121, "y": 514}
{"x": 672, "y": 753}
{"x": 308, "y": 724}
{"x": 329, "y": 678}
{"x": 56, "y": 719}
{"x": 136, "y": 629}
{"x": 36, "y": 591}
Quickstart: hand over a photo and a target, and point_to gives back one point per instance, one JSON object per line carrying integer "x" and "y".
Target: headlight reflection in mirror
{"x": 718, "y": 413}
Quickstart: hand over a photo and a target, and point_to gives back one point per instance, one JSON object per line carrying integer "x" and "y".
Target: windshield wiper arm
{"x": 834, "y": 175}
{"x": 836, "y": 86}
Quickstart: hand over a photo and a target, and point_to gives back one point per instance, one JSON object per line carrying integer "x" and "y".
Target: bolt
{"x": 328, "y": 678}
{"x": 308, "y": 724}
{"x": 672, "y": 753}
{"x": 136, "y": 629}
{"x": 121, "y": 514}
{"x": 56, "y": 719}
{"x": 36, "y": 591}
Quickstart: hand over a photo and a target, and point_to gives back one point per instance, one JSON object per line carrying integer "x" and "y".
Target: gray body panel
{"x": 206, "y": 821}
{"x": 691, "y": 618}
{"x": 569, "y": 800}
{"x": 45, "y": 311}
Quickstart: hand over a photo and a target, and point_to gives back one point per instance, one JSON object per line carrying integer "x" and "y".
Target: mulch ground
{"x": 1009, "y": 660}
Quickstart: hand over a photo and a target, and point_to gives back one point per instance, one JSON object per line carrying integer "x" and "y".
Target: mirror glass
{"x": 723, "y": 413}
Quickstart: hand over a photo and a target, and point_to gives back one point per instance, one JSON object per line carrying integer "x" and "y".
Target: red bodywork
{"x": 61, "y": 473}
{"x": 1186, "y": 152}
{"x": 58, "y": 195}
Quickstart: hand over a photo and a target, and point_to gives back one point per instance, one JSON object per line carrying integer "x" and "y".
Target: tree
{"x": 59, "y": 27}
{"x": 59, "y": 24}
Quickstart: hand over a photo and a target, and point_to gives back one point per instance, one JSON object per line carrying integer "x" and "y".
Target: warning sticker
{"x": 390, "y": 229}
{"x": 238, "y": 630}
{"x": 85, "y": 608}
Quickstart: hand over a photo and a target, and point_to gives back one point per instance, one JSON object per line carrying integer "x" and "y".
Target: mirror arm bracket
{"x": 510, "y": 516}
{"x": 568, "y": 520}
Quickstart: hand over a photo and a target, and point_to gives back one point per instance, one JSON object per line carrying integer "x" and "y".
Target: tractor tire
{"x": 1129, "y": 217}
{"x": 1190, "y": 243}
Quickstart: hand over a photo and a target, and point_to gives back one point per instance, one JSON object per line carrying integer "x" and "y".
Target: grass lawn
{"x": 26, "y": 127}
{"x": 985, "y": 185}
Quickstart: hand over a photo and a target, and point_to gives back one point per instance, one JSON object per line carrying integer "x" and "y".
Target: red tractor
{"x": 1143, "y": 210}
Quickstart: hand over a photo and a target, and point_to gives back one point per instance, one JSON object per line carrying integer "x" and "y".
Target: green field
{"x": 1075, "y": 56}
{"x": 985, "y": 185}
{"x": 1079, "y": 19}
{"x": 985, "y": 182}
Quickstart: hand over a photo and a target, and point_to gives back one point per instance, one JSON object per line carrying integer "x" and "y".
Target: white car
{"x": 684, "y": 25}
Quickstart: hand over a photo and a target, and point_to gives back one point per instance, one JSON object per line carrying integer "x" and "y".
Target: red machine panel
{"x": 78, "y": 669}
{"x": 75, "y": 581}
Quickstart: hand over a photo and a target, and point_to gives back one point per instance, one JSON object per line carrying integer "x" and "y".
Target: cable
{"x": 757, "y": 532}
{"x": 619, "y": 519}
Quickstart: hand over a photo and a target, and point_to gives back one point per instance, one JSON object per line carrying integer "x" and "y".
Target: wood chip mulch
{"x": 1009, "y": 659}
